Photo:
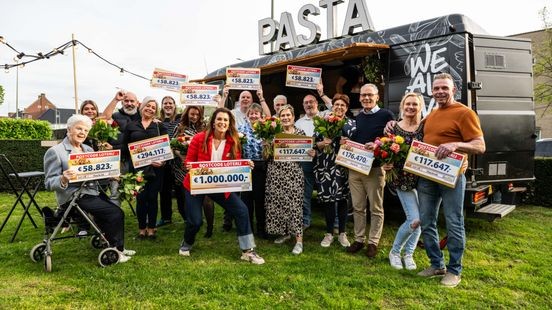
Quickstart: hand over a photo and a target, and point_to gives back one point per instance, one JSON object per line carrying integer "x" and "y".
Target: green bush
{"x": 25, "y": 155}
{"x": 539, "y": 191}
{"x": 24, "y": 129}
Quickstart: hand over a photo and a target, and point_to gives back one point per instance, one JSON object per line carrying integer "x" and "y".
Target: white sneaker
{"x": 184, "y": 251}
{"x": 409, "y": 263}
{"x": 395, "y": 260}
{"x": 297, "y": 249}
{"x": 129, "y": 252}
{"x": 282, "y": 239}
{"x": 252, "y": 257}
{"x": 343, "y": 240}
{"x": 123, "y": 258}
{"x": 327, "y": 241}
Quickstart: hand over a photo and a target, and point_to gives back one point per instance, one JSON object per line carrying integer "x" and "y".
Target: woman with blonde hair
{"x": 410, "y": 127}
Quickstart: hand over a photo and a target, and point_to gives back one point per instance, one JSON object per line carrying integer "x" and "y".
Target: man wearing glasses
{"x": 370, "y": 123}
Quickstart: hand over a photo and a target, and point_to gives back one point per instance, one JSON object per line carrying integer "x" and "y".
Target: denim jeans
{"x": 232, "y": 204}
{"x": 407, "y": 237}
{"x": 308, "y": 171}
{"x": 429, "y": 195}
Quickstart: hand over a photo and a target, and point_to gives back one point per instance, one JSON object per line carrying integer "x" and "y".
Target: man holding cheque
{"x": 452, "y": 127}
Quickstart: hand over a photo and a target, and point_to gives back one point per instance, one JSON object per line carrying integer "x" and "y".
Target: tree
{"x": 1, "y": 94}
{"x": 543, "y": 65}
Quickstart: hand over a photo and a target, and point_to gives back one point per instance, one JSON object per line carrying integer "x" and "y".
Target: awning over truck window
{"x": 355, "y": 50}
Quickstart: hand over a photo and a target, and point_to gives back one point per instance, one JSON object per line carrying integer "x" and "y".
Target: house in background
{"x": 44, "y": 109}
{"x": 543, "y": 120}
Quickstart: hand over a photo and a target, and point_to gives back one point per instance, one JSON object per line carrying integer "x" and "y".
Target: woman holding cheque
{"x": 285, "y": 184}
{"x": 146, "y": 201}
{"x": 218, "y": 142}
{"x": 109, "y": 217}
{"x": 333, "y": 179}
{"x": 410, "y": 128}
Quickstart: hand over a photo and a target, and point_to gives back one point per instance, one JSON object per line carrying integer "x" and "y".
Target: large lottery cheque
{"x": 198, "y": 94}
{"x": 421, "y": 161}
{"x": 94, "y": 165}
{"x": 225, "y": 176}
{"x": 243, "y": 78}
{"x": 303, "y": 77}
{"x": 147, "y": 151}
{"x": 354, "y": 156}
{"x": 168, "y": 80}
{"x": 288, "y": 147}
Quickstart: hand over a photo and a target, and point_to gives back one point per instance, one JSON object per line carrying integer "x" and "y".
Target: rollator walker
{"x": 66, "y": 217}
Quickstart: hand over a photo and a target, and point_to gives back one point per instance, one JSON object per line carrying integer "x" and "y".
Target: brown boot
{"x": 355, "y": 247}
{"x": 372, "y": 250}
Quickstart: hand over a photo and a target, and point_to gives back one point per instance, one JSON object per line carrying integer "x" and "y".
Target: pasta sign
{"x": 284, "y": 35}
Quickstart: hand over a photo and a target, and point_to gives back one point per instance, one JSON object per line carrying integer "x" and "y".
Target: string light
{"x": 60, "y": 50}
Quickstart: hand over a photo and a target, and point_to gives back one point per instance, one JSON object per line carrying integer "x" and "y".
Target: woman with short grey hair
{"x": 107, "y": 215}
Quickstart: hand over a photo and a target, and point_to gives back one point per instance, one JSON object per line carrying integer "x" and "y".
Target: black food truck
{"x": 493, "y": 76}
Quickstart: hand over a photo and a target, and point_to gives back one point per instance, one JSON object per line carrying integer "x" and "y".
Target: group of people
{"x": 279, "y": 203}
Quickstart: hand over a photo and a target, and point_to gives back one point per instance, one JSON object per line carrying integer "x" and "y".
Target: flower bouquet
{"x": 102, "y": 131}
{"x": 266, "y": 129}
{"x": 391, "y": 150}
{"x": 329, "y": 127}
{"x": 131, "y": 185}
{"x": 243, "y": 138}
{"x": 180, "y": 144}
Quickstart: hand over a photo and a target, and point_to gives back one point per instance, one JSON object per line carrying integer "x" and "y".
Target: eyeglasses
{"x": 309, "y": 101}
{"x": 367, "y": 95}
{"x": 129, "y": 100}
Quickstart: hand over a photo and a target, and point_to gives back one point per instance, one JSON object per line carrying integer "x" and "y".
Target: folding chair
{"x": 24, "y": 186}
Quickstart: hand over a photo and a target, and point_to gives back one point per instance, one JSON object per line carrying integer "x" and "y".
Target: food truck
{"x": 493, "y": 76}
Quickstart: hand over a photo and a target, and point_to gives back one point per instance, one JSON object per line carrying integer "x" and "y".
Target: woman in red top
{"x": 218, "y": 142}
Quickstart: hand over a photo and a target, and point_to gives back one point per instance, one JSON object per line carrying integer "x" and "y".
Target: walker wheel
{"x": 108, "y": 257}
{"x": 37, "y": 252}
{"x": 97, "y": 242}
{"x": 48, "y": 263}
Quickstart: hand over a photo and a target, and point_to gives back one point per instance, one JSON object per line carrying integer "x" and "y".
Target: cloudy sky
{"x": 190, "y": 37}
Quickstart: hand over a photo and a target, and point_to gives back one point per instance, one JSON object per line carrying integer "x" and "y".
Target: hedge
{"x": 25, "y": 155}
{"x": 24, "y": 129}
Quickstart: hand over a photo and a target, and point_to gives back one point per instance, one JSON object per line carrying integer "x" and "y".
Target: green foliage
{"x": 102, "y": 131}
{"x": 539, "y": 192}
{"x": 24, "y": 129}
{"x": 543, "y": 64}
{"x": 373, "y": 69}
{"x": 1, "y": 94}
{"x": 131, "y": 185}
{"x": 506, "y": 267}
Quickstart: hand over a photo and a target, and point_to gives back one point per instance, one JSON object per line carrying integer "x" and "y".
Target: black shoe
{"x": 208, "y": 233}
{"x": 355, "y": 247}
{"x": 227, "y": 227}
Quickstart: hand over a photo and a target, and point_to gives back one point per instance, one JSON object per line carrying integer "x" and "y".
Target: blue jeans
{"x": 308, "y": 171}
{"x": 429, "y": 195}
{"x": 407, "y": 237}
{"x": 233, "y": 205}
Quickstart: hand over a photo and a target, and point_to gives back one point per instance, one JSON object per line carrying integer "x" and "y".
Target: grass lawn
{"x": 507, "y": 265}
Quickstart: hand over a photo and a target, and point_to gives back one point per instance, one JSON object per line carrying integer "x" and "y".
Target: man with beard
{"x": 370, "y": 123}
{"x": 127, "y": 113}
{"x": 453, "y": 127}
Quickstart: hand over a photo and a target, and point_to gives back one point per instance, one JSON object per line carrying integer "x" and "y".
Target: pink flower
{"x": 273, "y": 124}
{"x": 378, "y": 142}
{"x": 395, "y": 148}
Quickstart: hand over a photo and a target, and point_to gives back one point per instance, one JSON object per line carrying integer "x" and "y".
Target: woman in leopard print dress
{"x": 284, "y": 192}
